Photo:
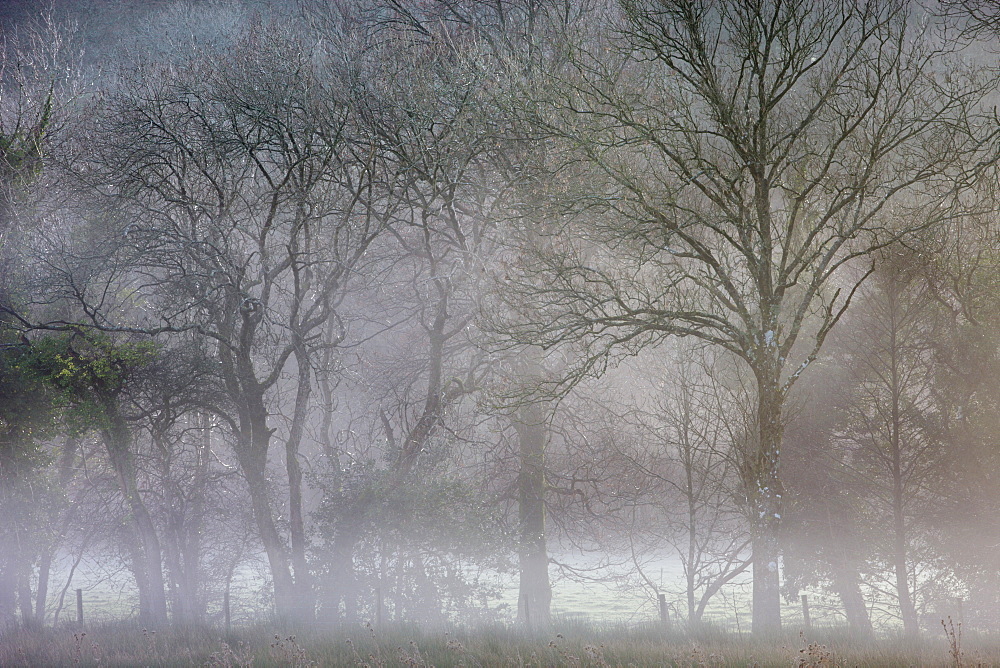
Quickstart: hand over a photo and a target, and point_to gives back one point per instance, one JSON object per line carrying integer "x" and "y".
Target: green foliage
{"x": 85, "y": 374}
{"x": 26, "y": 414}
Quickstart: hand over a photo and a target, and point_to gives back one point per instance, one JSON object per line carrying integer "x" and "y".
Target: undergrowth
{"x": 564, "y": 644}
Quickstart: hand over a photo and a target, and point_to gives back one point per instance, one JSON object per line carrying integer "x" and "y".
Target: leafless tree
{"x": 419, "y": 96}
{"x": 690, "y": 437}
{"x": 716, "y": 168}
{"x": 38, "y": 77}
{"x": 236, "y": 207}
{"x": 896, "y": 423}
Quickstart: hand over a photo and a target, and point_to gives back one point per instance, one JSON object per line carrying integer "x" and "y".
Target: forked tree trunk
{"x": 149, "y": 554}
{"x": 67, "y": 459}
{"x": 251, "y": 451}
{"x": 253, "y": 440}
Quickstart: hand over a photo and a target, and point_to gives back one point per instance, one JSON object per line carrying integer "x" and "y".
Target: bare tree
{"x": 959, "y": 273}
{"x": 419, "y": 96}
{"x": 716, "y": 168}
{"x": 690, "y": 439}
{"x": 235, "y": 205}
{"x": 895, "y": 425}
{"x": 38, "y": 74}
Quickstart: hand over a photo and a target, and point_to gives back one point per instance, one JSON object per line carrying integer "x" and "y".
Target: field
{"x": 566, "y": 644}
{"x": 595, "y": 626}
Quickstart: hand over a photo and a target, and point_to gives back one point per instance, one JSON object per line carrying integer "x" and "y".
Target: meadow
{"x": 566, "y": 643}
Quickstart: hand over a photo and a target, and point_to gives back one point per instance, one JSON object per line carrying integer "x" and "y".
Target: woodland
{"x": 377, "y": 310}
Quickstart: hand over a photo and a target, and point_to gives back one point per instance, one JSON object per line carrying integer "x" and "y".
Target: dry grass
{"x": 568, "y": 644}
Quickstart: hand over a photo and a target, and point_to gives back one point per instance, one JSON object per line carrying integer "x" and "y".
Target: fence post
{"x": 378, "y": 606}
{"x": 664, "y": 612}
{"x": 225, "y": 611}
{"x": 805, "y": 610}
{"x": 79, "y": 608}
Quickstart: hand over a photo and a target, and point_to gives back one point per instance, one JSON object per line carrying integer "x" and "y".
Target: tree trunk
{"x": 766, "y": 585}
{"x": 253, "y": 440}
{"x": 67, "y": 458}
{"x": 306, "y": 607}
{"x": 8, "y": 552}
{"x": 175, "y": 569}
{"x": 252, "y": 454}
{"x": 42, "y": 594}
{"x": 535, "y": 591}
{"x": 192, "y": 543}
{"x": 130, "y": 541}
{"x": 24, "y": 595}
{"x": 694, "y": 613}
{"x": 8, "y": 595}
{"x": 345, "y": 585}
{"x": 764, "y": 493}
{"x": 690, "y": 494}
{"x": 149, "y": 555}
{"x": 907, "y": 609}
{"x": 172, "y": 508}
{"x": 847, "y": 586}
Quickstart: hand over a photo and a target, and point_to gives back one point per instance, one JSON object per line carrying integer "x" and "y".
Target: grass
{"x": 567, "y": 644}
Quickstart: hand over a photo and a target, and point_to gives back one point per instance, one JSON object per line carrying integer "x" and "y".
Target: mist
{"x": 624, "y": 327}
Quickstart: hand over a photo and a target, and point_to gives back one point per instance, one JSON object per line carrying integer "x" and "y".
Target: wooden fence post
{"x": 664, "y": 612}
{"x": 805, "y": 611}
{"x": 79, "y": 608}
{"x": 225, "y": 611}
